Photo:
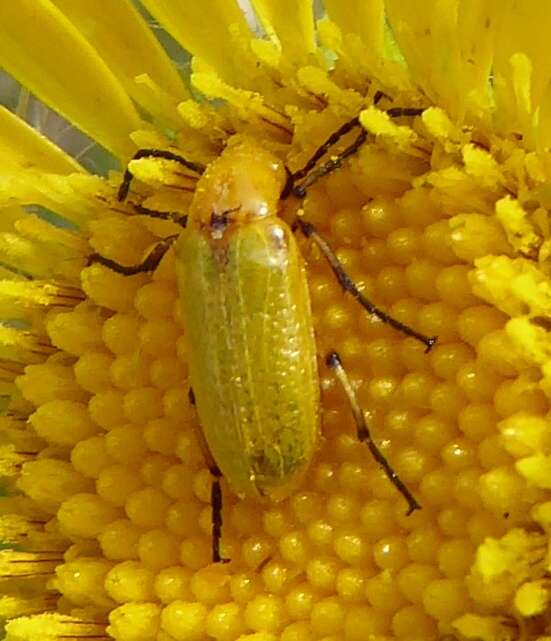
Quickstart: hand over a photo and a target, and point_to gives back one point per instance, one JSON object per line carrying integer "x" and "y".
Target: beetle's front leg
{"x": 309, "y": 171}
{"x": 155, "y": 153}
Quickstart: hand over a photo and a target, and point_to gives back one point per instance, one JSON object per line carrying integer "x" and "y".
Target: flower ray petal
{"x": 447, "y": 48}
{"x": 23, "y": 146}
{"x": 79, "y": 86}
{"x": 130, "y": 49}
{"x": 205, "y": 29}
{"x": 522, "y": 70}
{"x": 291, "y": 22}
{"x": 365, "y": 19}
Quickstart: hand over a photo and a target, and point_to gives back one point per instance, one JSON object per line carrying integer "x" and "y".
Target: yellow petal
{"x": 365, "y": 19}
{"x": 522, "y": 38}
{"x": 204, "y": 29}
{"x": 48, "y": 55}
{"x": 126, "y": 44}
{"x": 249, "y": 104}
{"x": 23, "y": 146}
{"x": 69, "y": 196}
{"x": 448, "y": 49}
{"x": 291, "y": 22}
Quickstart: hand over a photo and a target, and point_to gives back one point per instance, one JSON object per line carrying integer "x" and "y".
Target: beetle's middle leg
{"x": 148, "y": 264}
{"x": 350, "y": 286}
{"x": 334, "y": 362}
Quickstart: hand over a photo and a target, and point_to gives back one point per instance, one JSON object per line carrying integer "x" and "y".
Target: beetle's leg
{"x": 350, "y": 286}
{"x": 155, "y": 153}
{"x": 334, "y": 362}
{"x": 292, "y": 178}
{"x": 334, "y": 163}
{"x": 319, "y": 153}
{"x": 215, "y": 492}
{"x": 149, "y": 264}
{"x": 216, "y": 506}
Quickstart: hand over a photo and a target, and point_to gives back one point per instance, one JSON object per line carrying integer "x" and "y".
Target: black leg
{"x": 292, "y": 178}
{"x": 149, "y": 264}
{"x": 334, "y": 362}
{"x": 215, "y": 492}
{"x": 216, "y": 506}
{"x": 155, "y": 153}
{"x": 350, "y": 286}
{"x": 300, "y": 190}
{"x": 325, "y": 147}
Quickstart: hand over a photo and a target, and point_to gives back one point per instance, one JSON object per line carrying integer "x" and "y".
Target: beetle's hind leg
{"x": 216, "y": 506}
{"x": 334, "y": 362}
{"x": 216, "y": 498}
{"x": 350, "y": 286}
{"x": 149, "y": 263}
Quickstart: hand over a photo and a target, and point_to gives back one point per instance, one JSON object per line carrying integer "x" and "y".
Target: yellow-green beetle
{"x": 246, "y": 311}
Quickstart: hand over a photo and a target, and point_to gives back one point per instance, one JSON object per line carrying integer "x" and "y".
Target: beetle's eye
{"x": 219, "y": 222}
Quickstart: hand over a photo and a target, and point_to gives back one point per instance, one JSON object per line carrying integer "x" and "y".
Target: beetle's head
{"x": 244, "y": 183}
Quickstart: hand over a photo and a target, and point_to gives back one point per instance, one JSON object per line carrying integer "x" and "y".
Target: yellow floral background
{"x": 443, "y": 221}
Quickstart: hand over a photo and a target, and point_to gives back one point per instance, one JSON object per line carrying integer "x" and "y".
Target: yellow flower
{"x": 442, "y": 220}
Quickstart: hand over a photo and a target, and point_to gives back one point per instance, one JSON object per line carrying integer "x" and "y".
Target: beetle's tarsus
{"x": 216, "y": 506}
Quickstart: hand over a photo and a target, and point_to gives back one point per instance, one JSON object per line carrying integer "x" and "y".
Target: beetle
{"x": 246, "y": 310}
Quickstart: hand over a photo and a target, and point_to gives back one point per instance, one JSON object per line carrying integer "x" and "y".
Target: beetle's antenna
{"x": 334, "y": 362}
{"x": 350, "y": 286}
{"x": 155, "y": 153}
{"x": 175, "y": 217}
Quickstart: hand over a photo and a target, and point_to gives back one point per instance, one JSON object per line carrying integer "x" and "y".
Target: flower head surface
{"x": 442, "y": 219}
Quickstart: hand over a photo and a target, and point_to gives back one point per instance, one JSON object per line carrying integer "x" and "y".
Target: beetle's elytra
{"x": 246, "y": 311}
